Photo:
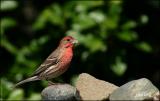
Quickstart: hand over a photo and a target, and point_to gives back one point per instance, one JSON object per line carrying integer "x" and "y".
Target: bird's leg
{"x": 50, "y": 83}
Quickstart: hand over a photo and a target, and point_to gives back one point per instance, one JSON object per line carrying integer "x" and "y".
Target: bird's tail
{"x": 34, "y": 78}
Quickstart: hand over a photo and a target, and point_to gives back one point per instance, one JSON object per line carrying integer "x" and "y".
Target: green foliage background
{"x": 118, "y": 41}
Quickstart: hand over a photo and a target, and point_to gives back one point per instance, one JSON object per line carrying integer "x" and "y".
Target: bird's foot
{"x": 50, "y": 83}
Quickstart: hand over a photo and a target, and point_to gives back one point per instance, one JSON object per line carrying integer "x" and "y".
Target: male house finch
{"x": 56, "y": 63}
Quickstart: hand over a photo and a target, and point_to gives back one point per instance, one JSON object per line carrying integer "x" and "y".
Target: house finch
{"x": 57, "y": 62}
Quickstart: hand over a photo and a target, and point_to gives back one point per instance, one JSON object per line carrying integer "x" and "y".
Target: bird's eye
{"x": 68, "y": 39}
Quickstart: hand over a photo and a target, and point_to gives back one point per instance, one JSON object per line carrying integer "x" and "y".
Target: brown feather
{"x": 51, "y": 60}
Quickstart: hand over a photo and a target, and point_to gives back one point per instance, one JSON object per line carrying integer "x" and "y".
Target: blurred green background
{"x": 118, "y": 41}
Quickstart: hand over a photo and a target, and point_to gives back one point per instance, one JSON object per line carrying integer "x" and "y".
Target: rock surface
{"x": 141, "y": 89}
{"x": 91, "y": 88}
{"x": 156, "y": 96}
{"x": 60, "y": 92}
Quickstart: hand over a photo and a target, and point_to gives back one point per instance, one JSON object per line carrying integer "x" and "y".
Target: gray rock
{"x": 60, "y": 92}
{"x": 141, "y": 89}
{"x": 156, "y": 97}
{"x": 91, "y": 88}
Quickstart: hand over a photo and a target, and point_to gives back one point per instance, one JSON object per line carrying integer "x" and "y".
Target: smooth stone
{"x": 91, "y": 88}
{"x": 141, "y": 89}
{"x": 60, "y": 92}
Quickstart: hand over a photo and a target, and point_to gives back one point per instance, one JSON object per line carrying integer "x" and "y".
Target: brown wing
{"x": 51, "y": 60}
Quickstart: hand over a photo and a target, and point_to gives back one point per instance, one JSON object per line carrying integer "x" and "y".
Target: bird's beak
{"x": 74, "y": 41}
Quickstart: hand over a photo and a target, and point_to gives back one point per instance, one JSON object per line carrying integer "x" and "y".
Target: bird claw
{"x": 50, "y": 83}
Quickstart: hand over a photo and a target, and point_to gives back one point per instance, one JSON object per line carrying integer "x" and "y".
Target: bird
{"x": 56, "y": 63}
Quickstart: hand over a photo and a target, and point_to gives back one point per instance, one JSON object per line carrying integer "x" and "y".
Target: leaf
{"x": 17, "y": 94}
{"x": 144, "y": 46}
{"x": 51, "y": 14}
{"x": 97, "y": 16}
{"x": 129, "y": 25}
{"x": 74, "y": 79}
{"x": 7, "y": 22}
{"x": 119, "y": 67}
{"x": 34, "y": 96}
{"x": 144, "y": 19}
{"x": 127, "y": 36}
{"x": 8, "y": 5}
{"x": 82, "y": 22}
{"x": 8, "y": 46}
{"x": 83, "y": 6}
{"x": 5, "y": 88}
